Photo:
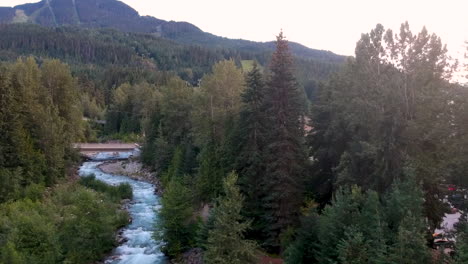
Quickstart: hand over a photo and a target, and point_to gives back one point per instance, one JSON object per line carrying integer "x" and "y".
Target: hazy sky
{"x": 333, "y": 25}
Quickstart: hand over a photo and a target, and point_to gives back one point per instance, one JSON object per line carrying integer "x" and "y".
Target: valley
{"x": 129, "y": 139}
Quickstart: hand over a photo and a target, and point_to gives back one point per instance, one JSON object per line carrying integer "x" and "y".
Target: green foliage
{"x": 203, "y": 231}
{"x": 102, "y": 47}
{"x": 175, "y": 218}
{"x": 410, "y": 245}
{"x": 39, "y": 118}
{"x": 168, "y": 125}
{"x": 176, "y": 108}
{"x": 70, "y": 225}
{"x": 58, "y": 81}
{"x": 226, "y": 242}
{"x": 175, "y": 170}
{"x": 149, "y": 150}
{"x": 352, "y": 249}
{"x": 89, "y": 224}
{"x": 115, "y": 193}
{"x": 462, "y": 241}
{"x": 130, "y": 106}
{"x": 305, "y": 246}
{"x": 32, "y": 233}
{"x": 10, "y": 188}
{"x": 34, "y": 192}
{"x": 10, "y": 255}
{"x": 249, "y": 161}
{"x": 359, "y": 227}
{"x": 284, "y": 155}
{"x": 217, "y": 101}
{"x": 210, "y": 174}
{"x": 122, "y": 137}
{"x": 336, "y": 220}
{"x": 389, "y": 106}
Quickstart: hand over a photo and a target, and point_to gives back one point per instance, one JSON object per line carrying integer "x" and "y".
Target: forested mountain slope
{"x": 109, "y": 57}
{"x": 118, "y": 15}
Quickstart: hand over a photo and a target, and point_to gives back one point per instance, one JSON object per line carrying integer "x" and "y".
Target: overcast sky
{"x": 333, "y": 25}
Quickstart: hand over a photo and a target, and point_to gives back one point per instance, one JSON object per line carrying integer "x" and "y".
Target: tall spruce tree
{"x": 226, "y": 243}
{"x": 353, "y": 248}
{"x": 284, "y": 154}
{"x": 305, "y": 246}
{"x": 407, "y": 228}
{"x": 175, "y": 218}
{"x": 210, "y": 174}
{"x": 410, "y": 245}
{"x": 249, "y": 162}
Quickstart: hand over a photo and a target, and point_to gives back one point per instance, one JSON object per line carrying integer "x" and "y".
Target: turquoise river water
{"x": 139, "y": 247}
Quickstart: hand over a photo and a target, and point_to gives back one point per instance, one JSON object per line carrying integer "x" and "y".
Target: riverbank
{"x": 136, "y": 242}
{"x": 132, "y": 169}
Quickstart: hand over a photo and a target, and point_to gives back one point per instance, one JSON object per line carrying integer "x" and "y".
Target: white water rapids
{"x": 139, "y": 247}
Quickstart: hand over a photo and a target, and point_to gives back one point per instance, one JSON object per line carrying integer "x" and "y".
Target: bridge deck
{"x": 107, "y": 147}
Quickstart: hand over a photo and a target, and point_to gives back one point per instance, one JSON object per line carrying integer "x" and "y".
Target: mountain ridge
{"x": 118, "y": 15}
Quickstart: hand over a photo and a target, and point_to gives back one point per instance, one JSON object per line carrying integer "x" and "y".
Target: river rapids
{"x": 139, "y": 247}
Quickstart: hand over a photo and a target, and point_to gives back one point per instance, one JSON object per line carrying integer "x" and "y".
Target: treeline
{"x": 389, "y": 123}
{"x": 106, "y": 46}
{"x": 44, "y": 218}
{"x": 104, "y": 59}
{"x": 61, "y": 43}
{"x": 248, "y": 164}
{"x": 250, "y": 125}
{"x": 354, "y": 176}
{"x": 40, "y": 116}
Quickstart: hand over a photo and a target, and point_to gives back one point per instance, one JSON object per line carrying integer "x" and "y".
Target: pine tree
{"x": 226, "y": 243}
{"x": 249, "y": 162}
{"x": 210, "y": 174}
{"x": 162, "y": 151}
{"x": 175, "y": 169}
{"x": 306, "y": 244}
{"x": 152, "y": 131}
{"x": 372, "y": 225}
{"x": 407, "y": 227}
{"x": 175, "y": 218}
{"x": 410, "y": 245}
{"x": 284, "y": 155}
{"x": 353, "y": 248}
{"x": 335, "y": 220}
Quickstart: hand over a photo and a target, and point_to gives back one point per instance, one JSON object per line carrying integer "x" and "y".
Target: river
{"x": 139, "y": 246}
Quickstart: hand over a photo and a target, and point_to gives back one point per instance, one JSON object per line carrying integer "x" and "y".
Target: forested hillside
{"x": 364, "y": 185}
{"x": 260, "y": 151}
{"x": 44, "y": 218}
{"x": 117, "y": 15}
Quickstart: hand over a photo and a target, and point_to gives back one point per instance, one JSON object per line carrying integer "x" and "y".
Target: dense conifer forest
{"x": 260, "y": 154}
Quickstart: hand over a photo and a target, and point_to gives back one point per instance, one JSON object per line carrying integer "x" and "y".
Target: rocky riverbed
{"x": 132, "y": 169}
{"x": 137, "y": 244}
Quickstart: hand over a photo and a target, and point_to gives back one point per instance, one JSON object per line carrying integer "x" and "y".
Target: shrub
{"x": 116, "y": 193}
